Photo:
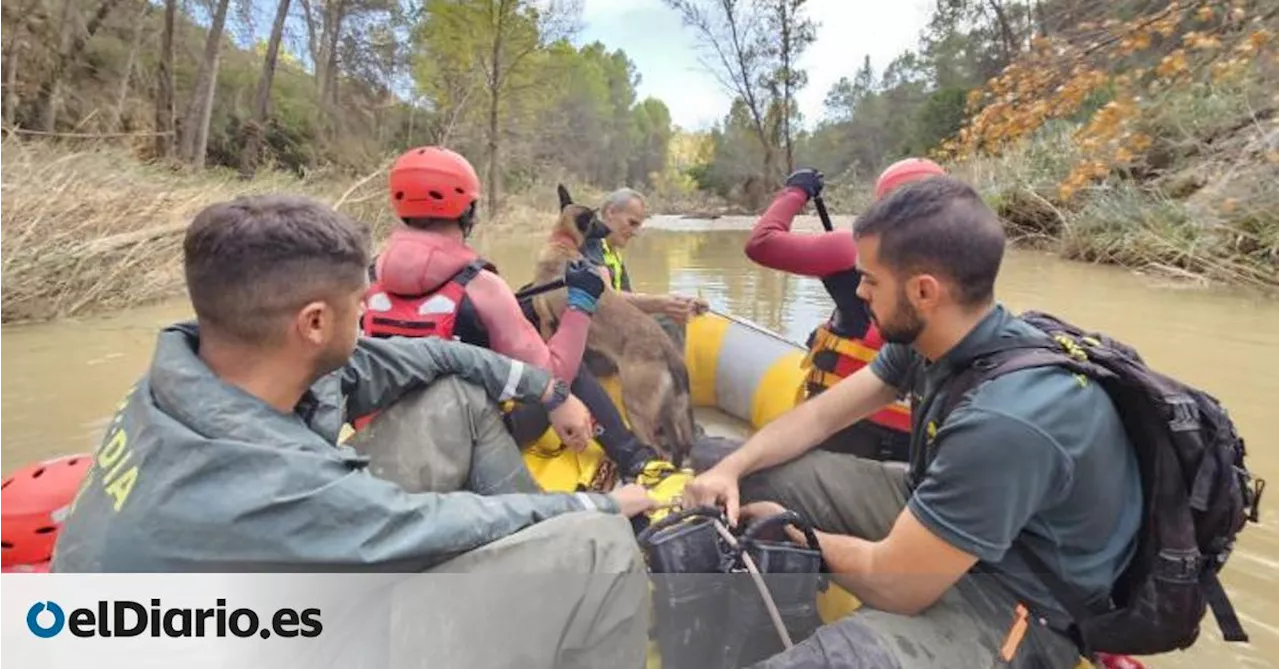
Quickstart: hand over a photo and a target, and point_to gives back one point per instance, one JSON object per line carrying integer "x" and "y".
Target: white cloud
{"x": 666, "y": 55}
{"x": 850, "y": 30}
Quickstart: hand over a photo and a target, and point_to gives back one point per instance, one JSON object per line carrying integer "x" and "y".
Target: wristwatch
{"x": 559, "y": 393}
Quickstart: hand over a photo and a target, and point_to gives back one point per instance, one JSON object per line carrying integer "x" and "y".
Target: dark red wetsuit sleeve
{"x": 774, "y": 245}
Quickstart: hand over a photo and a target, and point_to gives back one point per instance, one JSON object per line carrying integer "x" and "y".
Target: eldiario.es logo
{"x": 126, "y": 618}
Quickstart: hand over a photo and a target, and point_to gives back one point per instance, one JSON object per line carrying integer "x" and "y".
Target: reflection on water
{"x": 62, "y": 380}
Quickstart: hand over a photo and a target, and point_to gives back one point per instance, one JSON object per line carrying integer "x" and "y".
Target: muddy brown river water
{"x": 62, "y": 380}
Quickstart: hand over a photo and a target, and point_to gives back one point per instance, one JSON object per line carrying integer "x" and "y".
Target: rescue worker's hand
{"x": 582, "y": 275}
{"x": 680, "y": 308}
{"x": 808, "y": 180}
{"x": 714, "y": 488}
{"x": 767, "y": 509}
{"x": 633, "y": 499}
{"x": 572, "y": 422}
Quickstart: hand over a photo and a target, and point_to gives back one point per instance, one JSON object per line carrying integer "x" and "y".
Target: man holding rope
{"x": 1031, "y": 468}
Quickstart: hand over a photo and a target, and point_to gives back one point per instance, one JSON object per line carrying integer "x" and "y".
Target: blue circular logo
{"x": 33, "y": 619}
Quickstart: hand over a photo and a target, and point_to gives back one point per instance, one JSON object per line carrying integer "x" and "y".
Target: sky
{"x": 667, "y": 57}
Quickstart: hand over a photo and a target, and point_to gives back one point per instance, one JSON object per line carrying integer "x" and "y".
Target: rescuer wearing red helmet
{"x": 429, "y": 282}
{"x": 848, "y": 340}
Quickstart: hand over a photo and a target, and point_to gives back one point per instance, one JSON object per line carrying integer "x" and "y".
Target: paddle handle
{"x": 822, "y": 213}
{"x": 539, "y": 289}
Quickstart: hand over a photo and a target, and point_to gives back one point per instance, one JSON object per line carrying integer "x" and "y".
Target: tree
{"x": 734, "y": 38}
{"x": 497, "y": 39}
{"x": 794, "y": 33}
{"x": 254, "y": 129}
{"x": 46, "y": 109}
{"x": 194, "y": 135}
{"x": 164, "y": 141}
{"x": 652, "y": 122}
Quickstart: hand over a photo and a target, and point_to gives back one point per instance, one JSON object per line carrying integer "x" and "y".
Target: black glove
{"x": 582, "y": 275}
{"x": 808, "y": 180}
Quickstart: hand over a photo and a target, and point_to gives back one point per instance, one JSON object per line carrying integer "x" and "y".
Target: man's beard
{"x": 903, "y": 327}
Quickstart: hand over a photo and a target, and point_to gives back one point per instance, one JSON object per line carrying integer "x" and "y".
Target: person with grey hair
{"x": 624, "y": 212}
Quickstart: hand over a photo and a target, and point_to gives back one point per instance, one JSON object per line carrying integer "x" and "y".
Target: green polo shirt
{"x": 1037, "y": 457}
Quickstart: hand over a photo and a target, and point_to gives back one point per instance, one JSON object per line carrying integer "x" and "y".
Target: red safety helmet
{"x": 33, "y": 503}
{"x": 433, "y": 182}
{"x": 37, "y": 568}
{"x": 905, "y": 171}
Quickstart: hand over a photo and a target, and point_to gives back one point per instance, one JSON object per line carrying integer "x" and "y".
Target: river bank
{"x": 94, "y": 230}
{"x": 90, "y": 231}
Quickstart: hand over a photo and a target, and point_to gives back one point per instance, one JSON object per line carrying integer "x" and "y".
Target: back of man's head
{"x": 939, "y": 226}
{"x": 252, "y": 263}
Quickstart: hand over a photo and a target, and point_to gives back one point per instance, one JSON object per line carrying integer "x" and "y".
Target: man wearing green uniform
{"x": 1032, "y": 467}
{"x": 224, "y": 456}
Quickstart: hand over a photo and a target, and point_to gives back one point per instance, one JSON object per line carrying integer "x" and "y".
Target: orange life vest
{"x": 832, "y": 358}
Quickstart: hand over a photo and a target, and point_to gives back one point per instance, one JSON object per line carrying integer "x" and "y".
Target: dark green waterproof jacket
{"x": 194, "y": 474}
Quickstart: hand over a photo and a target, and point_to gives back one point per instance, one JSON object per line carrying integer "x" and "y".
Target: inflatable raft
{"x": 736, "y": 368}
{"x": 740, "y": 370}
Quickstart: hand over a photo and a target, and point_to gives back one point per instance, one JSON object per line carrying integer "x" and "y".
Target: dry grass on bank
{"x": 1207, "y": 214}
{"x": 92, "y": 229}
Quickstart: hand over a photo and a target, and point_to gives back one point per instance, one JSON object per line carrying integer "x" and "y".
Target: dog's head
{"x": 579, "y": 221}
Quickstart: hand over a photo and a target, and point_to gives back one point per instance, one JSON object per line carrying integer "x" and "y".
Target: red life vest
{"x": 832, "y": 358}
{"x": 445, "y": 312}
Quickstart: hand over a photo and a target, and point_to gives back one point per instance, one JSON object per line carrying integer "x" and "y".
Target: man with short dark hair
{"x": 1034, "y": 464}
{"x": 224, "y": 457}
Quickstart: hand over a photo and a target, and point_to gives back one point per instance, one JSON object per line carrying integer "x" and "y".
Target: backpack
{"x": 1197, "y": 492}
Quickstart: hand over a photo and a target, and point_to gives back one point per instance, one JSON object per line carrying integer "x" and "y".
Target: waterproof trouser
{"x": 529, "y": 421}
{"x": 974, "y": 624}
{"x": 570, "y": 591}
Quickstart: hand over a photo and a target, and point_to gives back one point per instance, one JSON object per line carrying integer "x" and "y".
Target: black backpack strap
{"x": 1216, "y": 597}
{"x": 471, "y": 271}
{"x": 1064, "y": 595}
{"x": 1002, "y": 357}
{"x": 996, "y": 359}
{"x": 469, "y": 328}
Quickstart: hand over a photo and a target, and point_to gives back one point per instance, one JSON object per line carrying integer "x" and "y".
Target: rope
{"x": 770, "y": 605}
{"x": 760, "y": 585}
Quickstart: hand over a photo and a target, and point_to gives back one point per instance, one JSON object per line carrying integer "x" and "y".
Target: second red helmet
{"x": 433, "y": 182}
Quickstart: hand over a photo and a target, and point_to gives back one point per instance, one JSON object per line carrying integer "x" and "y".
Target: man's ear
{"x": 313, "y": 321}
{"x": 563, "y": 192}
{"x": 925, "y": 291}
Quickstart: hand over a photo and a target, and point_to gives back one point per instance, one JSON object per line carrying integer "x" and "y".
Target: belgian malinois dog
{"x": 622, "y": 338}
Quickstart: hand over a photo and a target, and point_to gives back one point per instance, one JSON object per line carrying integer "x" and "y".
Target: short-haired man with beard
{"x": 1034, "y": 463}
{"x": 224, "y": 456}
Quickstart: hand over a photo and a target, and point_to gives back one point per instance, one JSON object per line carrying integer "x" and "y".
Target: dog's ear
{"x": 585, "y": 222}
{"x": 563, "y": 192}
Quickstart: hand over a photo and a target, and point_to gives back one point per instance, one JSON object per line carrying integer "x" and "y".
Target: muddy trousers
{"x": 570, "y": 591}
{"x": 529, "y": 421}
{"x": 972, "y": 626}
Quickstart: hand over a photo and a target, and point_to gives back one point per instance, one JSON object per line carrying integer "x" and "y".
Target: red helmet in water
{"x": 433, "y": 182}
{"x": 33, "y": 503}
{"x": 905, "y": 171}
